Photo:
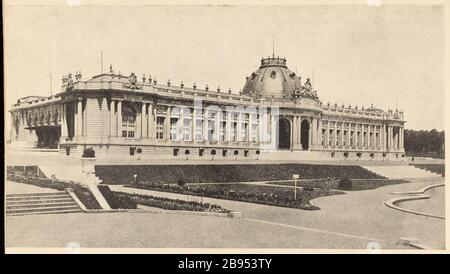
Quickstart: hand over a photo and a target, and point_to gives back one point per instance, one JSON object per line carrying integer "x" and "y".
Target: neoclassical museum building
{"x": 276, "y": 113}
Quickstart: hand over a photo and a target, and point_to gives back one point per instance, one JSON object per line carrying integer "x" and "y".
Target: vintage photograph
{"x": 228, "y": 126}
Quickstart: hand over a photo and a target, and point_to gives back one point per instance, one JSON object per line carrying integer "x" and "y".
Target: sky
{"x": 360, "y": 55}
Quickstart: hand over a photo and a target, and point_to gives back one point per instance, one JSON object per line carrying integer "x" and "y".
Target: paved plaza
{"x": 352, "y": 221}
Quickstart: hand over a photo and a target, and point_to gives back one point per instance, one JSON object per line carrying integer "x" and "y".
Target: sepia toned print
{"x": 238, "y": 127}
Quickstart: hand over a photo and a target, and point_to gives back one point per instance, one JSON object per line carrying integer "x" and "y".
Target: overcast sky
{"x": 361, "y": 55}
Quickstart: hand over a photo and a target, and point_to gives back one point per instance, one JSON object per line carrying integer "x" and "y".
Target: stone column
{"x": 194, "y": 125}
{"x": 299, "y": 139}
{"x": 205, "y": 125}
{"x": 273, "y": 130}
{"x": 112, "y": 117}
{"x": 250, "y": 126}
{"x": 341, "y": 145}
{"x": 310, "y": 135}
{"x": 319, "y": 131}
{"x": 217, "y": 126}
{"x": 80, "y": 118}
{"x": 327, "y": 135}
{"x": 388, "y": 137}
{"x": 402, "y": 138}
{"x": 379, "y": 137}
{"x": 334, "y": 134}
{"x": 151, "y": 126}
{"x": 239, "y": 126}
{"x": 392, "y": 137}
{"x": 295, "y": 131}
{"x": 119, "y": 119}
{"x": 314, "y": 132}
{"x": 168, "y": 123}
{"x": 64, "y": 129}
{"x": 144, "y": 120}
{"x": 397, "y": 139}
{"x": 138, "y": 124}
{"x": 261, "y": 127}
{"x": 349, "y": 135}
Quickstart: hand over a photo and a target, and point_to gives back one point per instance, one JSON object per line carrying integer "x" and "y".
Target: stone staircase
{"x": 40, "y": 203}
{"x": 75, "y": 173}
{"x": 401, "y": 172}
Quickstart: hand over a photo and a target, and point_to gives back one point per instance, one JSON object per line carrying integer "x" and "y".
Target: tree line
{"x": 424, "y": 143}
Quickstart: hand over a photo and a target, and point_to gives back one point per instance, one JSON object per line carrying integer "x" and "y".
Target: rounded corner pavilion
{"x": 275, "y": 116}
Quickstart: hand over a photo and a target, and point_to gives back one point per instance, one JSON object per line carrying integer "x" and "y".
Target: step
{"x": 39, "y": 205}
{"x": 60, "y": 193}
{"x": 397, "y": 172}
{"x": 43, "y": 209}
{"x": 46, "y": 212}
{"x": 37, "y": 200}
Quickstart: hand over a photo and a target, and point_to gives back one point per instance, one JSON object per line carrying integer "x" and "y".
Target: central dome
{"x": 272, "y": 79}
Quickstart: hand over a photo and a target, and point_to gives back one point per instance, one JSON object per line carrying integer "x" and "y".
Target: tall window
{"x": 160, "y": 128}
{"x": 377, "y": 140}
{"x": 254, "y": 137}
{"x": 211, "y": 130}
{"x": 352, "y": 135}
{"x": 233, "y": 132}
{"x": 345, "y": 138}
{"x": 128, "y": 121}
{"x": 358, "y": 139}
{"x": 244, "y": 127}
{"x": 222, "y": 130}
{"x": 187, "y": 129}
{"x": 365, "y": 139}
{"x": 174, "y": 128}
{"x": 198, "y": 130}
{"x": 330, "y": 138}
{"x": 324, "y": 135}
{"x": 338, "y": 137}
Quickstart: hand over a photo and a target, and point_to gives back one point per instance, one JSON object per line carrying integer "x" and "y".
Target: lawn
{"x": 269, "y": 195}
{"x": 217, "y": 173}
{"x": 361, "y": 184}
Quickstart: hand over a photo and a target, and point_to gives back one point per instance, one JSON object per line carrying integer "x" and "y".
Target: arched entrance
{"x": 305, "y": 134}
{"x": 284, "y": 134}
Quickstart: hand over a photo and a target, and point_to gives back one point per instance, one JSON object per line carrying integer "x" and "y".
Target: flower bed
{"x": 269, "y": 195}
{"x": 169, "y": 204}
{"x": 84, "y": 194}
{"x": 216, "y": 173}
{"x": 364, "y": 184}
{"x": 32, "y": 171}
{"x": 117, "y": 201}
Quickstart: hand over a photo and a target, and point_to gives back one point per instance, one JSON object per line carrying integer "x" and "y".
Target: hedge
{"x": 169, "y": 204}
{"x": 123, "y": 174}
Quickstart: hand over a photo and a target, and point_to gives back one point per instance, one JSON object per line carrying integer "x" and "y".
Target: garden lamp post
{"x": 295, "y": 176}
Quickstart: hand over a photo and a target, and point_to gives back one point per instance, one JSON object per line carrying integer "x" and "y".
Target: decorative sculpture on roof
{"x": 308, "y": 85}
{"x": 132, "y": 82}
{"x": 78, "y": 75}
{"x": 68, "y": 81}
{"x": 307, "y": 90}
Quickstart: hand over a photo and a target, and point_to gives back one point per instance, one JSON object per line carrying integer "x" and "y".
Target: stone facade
{"x": 124, "y": 115}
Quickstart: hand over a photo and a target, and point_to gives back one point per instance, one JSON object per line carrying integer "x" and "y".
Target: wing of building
{"x": 275, "y": 112}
